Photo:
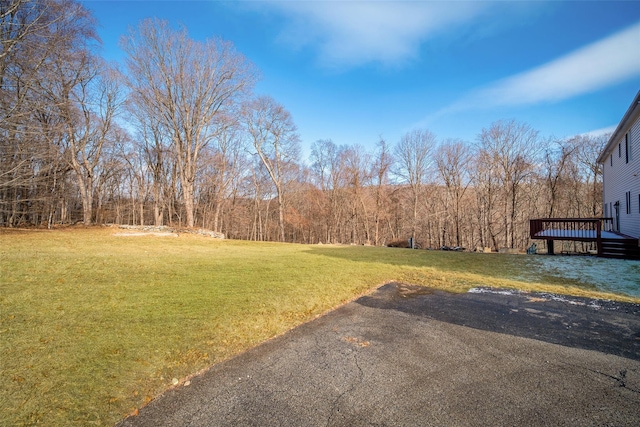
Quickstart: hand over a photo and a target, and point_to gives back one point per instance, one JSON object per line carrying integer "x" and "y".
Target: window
{"x": 638, "y": 203}
{"x": 628, "y": 197}
{"x": 626, "y": 147}
{"x": 611, "y": 160}
{"x": 619, "y": 150}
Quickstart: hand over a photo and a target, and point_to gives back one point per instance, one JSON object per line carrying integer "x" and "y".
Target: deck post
{"x": 550, "y": 247}
{"x": 599, "y": 237}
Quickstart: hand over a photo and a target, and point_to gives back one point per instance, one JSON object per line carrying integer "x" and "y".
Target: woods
{"x": 176, "y": 136}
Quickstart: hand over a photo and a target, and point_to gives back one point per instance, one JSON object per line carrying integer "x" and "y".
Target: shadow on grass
{"x": 520, "y": 268}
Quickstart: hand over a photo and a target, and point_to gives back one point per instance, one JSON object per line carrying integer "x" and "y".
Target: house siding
{"x": 620, "y": 177}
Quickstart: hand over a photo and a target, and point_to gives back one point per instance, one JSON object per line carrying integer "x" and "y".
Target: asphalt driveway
{"x": 410, "y": 356}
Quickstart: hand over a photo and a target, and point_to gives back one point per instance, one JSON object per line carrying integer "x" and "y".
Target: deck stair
{"x": 620, "y": 248}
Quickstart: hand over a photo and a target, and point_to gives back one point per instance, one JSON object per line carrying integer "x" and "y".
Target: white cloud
{"x": 601, "y": 132}
{"x": 352, "y": 33}
{"x": 604, "y": 63}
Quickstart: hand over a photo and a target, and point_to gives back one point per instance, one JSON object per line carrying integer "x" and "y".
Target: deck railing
{"x": 583, "y": 229}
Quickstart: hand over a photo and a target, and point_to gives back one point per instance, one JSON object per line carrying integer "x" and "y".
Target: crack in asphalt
{"x": 621, "y": 380}
{"x": 354, "y": 384}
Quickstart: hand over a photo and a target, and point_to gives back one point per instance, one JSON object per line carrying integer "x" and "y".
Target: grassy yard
{"x": 93, "y": 325}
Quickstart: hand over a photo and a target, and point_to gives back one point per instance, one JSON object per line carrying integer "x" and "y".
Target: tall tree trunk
{"x": 281, "y": 215}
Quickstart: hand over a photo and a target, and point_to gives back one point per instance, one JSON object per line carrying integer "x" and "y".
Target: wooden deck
{"x": 600, "y": 230}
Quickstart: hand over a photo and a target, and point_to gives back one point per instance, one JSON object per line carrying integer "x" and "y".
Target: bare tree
{"x": 274, "y": 138}
{"x": 486, "y": 186}
{"x": 322, "y": 153}
{"x": 588, "y": 170}
{"x": 29, "y": 39}
{"x": 452, "y": 159}
{"x": 88, "y": 101}
{"x": 227, "y": 164}
{"x": 513, "y": 148}
{"x": 381, "y": 166}
{"x": 557, "y": 159}
{"x": 414, "y": 155}
{"x": 22, "y": 147}
{"x": 187, "y": 85}
{"x": 154, "y": 148}
{"x": 39, "y": 39}
{"x": 357, "y": 173}
{"x": 327, "y": 160}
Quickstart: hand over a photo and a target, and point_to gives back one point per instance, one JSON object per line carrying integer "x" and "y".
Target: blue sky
{"x": 355, "y": 71}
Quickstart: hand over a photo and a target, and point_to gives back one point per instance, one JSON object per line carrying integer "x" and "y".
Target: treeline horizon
{"x": 177, "y": 136}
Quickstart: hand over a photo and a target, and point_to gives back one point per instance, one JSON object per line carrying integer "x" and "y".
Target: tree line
{"x": 176, "y": 136}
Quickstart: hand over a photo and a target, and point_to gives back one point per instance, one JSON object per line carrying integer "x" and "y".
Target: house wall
{"x": 620, "y": 177}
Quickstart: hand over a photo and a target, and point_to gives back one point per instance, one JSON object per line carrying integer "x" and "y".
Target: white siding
{"x": 623, "y": 177}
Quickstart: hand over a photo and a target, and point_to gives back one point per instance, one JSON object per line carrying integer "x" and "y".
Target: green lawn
{"x": 93, "y": 325}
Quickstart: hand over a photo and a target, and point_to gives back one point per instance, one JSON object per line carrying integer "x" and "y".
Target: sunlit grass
{"x": 93, "y": 325}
